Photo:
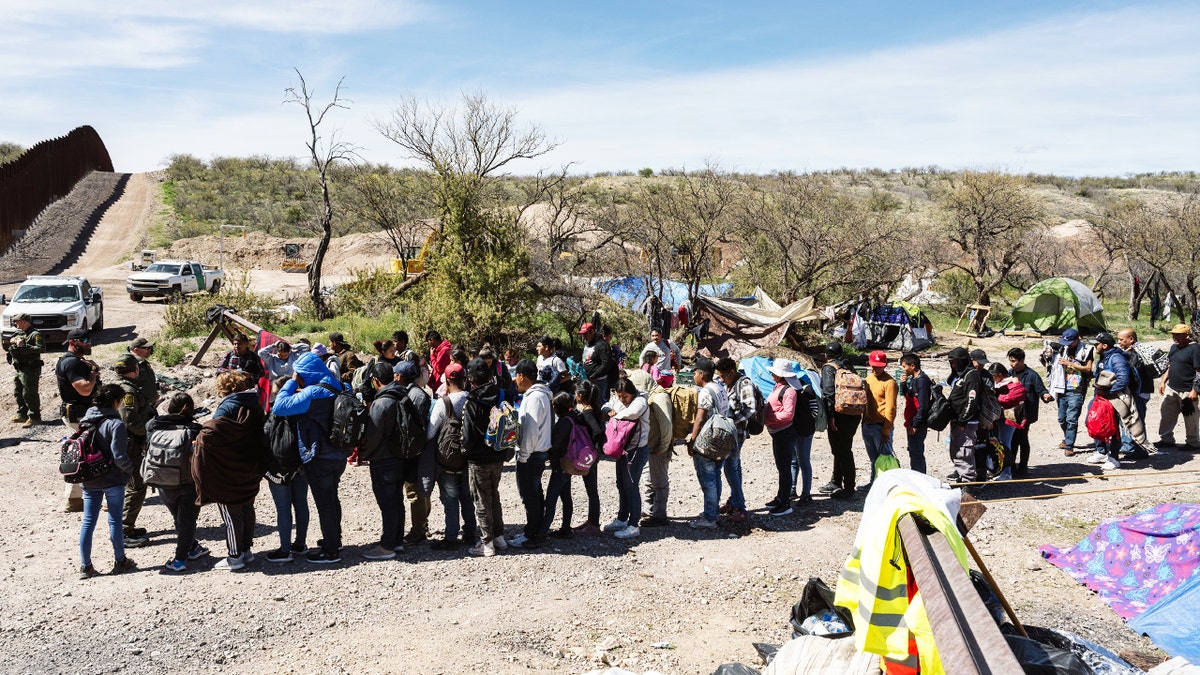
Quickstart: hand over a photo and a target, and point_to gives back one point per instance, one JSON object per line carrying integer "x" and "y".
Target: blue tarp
{"x": 1171, "y": 622}
{"x": 756, "y": 367}
{"x": 631, "y": 291}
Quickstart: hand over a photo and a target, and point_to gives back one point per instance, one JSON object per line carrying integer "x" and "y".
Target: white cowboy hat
{"x": 784, "y": 368}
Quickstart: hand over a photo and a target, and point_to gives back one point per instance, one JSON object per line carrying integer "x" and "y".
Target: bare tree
{"x": 324, "y": 154}
{"x": 397, "y": 203}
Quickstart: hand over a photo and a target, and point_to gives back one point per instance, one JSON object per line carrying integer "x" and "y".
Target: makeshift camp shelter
{"x": 631, "y": 291}
{"x": 1056, "y": 304}
{"x": 737, "y": 326}
{"x": 898, "y": 325}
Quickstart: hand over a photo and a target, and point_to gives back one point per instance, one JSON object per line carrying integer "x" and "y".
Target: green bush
{"x": 370, "y": 292}
{"x": 186, "y": 318}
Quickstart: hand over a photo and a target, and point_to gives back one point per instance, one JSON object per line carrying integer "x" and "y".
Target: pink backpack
{"x": 618, "y": 435}
{"x": 581, "y": 453}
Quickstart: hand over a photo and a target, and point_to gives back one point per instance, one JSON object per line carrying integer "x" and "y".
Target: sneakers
{"x": 87, "y": 572}
{"x": 587, "y": 530}
{"x": 1096, "y": 458}
{"x": 1164, "y": 445}
{"x": 135, "y": 532}
{"x": 174, "y": 565}
{"x": 484, "y": 550}
{"x": 652, "y": 521}
{"x": 803, "y": 499}
{"x": 19, "y": 419}
{"x": 784, "y": 509}
{"x": 398, "y": 548}
{"x": 1111, "y": 464}
{"x": 1004, "y": 475}
{"x": 702, "y": 523}
{"x": 519, "y": 541}
{"x": 725, "y": 509}
{"x": 829, "y": 488}
{"x": 628, "y": 533}
{"x": 248, "y": 557}
{"x": 31, "y": 422}
{"x": 843, "y": 493}
{"x": 738, "y": 515}
{"x": 279, "y": 556}
{"x": 378, "y": 552}
{"x": 616, "y": 525}
{"x": 413, "y": 538}
{"x": 444, "y": 545}
{"x": 321, "y": 557}
{"x": 135, "y": 542}
{"x": 563, "y": 533}
{"x": 774, "y": 502}
{"x": 198, "y": 550}
{"x": 126, "y": 564}
{"x": 500, "y": 543}
{"x": 230, "y": 563}
{"x": 298, "y": 548}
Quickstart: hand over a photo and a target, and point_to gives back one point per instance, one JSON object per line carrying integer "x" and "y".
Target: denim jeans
{"x": 1070, "y": 404}
{"x": 877, "y": 444}
{"x": 387, "y": 482}
{"x": 288, "y": 498}
{"x": 916, "y": 448}
{"x": 591, "y": 485}
{"x": 708, "y": 473}
{"x": 802, "y": 466}
{"x": 733, "y": 474}
{"x": 323, "y": 477}
{"x": 783, "y": 447}
{"x": 1005, "y": 433}
{"x": 629, "y": 481}
{"x": 602, "y": 385}
{"x": 558, "y": 488}
{"x": 454, "y": 489}
{"x": 115, "y": 498}
{"x": 181, "y": 502}
{"x": 529, "y": 486}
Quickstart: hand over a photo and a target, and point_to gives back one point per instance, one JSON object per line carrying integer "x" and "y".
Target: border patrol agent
{"x": 25, "y": 355}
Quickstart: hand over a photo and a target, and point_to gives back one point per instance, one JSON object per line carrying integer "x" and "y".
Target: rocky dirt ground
{"x": 571, "y": 607}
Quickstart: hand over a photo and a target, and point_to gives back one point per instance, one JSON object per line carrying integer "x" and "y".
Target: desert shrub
{"x": 186, "y": 318}
{"x": 957, "y": 286}
{"x": 370, "y": 291}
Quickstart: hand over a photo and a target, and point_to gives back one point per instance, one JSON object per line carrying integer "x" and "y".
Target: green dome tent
{"x": 1056, "y": 304}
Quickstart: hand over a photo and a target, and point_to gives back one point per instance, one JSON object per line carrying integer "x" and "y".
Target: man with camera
{"x": 1070, "y": 364}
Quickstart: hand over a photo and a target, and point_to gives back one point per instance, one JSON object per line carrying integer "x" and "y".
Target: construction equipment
{"x": 416, "y": 265}
{"x": 292, "y": 261}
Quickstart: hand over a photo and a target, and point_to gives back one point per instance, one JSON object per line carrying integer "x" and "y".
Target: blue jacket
{"x": 112, "y": 437}
{"x": 312, "y": 406}
{"x": 1114, "y": 360}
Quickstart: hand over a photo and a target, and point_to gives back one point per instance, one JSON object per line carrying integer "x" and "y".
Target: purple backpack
{"x": 618, "y": 435}
{"x": 581, "y": 453}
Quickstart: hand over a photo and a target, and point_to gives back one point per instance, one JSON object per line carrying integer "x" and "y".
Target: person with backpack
{"x": 630, "y": 405}
{"x": 228, "y": 460}
{"x": 1102, "y": 422}
{"x": 710, "y": 401}
{"x": 77, "y": 378}
{"x": 781, "y": 409}
{"x": 842, "y": 425}
{"x": 421, "y": 474}
{"x": 880, "y": 415}
{"x": 587, "y": 404}
{"x": 387, "y": 453}
{"x": 1035, "y": 393}
{"x": 400, "y": 339}
{"x": 107, "y": 435}
{"x": 917, "y": 390}
{"x": 743, "y": 404}
{"x": 597, "y": 360}
{"x": 484, "y": 463}
{"x": 1111, "y": 358}
{"x": 536, "y": 420}
{"x": 1148, "y": 363}
{"x": 966, "y": 393}
{"x": 659, "y": 440}
{"x": 167, "y": 468}
{"x": 309, "y": 397}
{"x": 559, "y": 487}
{"x": 289, "y": 491}
{"x": 1070, "y": 366}
{"x": 454, "y": 484}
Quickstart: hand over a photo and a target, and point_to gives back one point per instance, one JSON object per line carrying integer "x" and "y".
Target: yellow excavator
{"x": 292, "y": 261}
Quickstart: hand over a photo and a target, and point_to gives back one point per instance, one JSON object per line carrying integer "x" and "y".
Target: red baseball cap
{"x": 586, "y": 327}
{"x": 877, "y": 358}
{"x": 454, "y": 371}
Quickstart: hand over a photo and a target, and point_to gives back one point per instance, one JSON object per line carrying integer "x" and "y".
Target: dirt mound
{"x": 259, "y": 251}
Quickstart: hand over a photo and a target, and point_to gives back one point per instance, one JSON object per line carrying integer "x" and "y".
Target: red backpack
{"x": 1101, "y": 419}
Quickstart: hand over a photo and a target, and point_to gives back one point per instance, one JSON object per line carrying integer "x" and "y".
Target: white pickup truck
{"x": 173, "y": 278}
{"x": 56, "y": 306}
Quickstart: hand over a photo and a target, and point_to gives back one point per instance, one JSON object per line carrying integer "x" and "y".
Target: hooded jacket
{"x": 966, "y": 389}
{"x": 537, "y": 421}
{"x": 598, "y": 360}
{"x": 313, "y": 406}
{"x": 229, "y": 457}
{"x": 111, "y": 439}
{"x": 477, "y": 412}
{"x": 1114, "y": 360}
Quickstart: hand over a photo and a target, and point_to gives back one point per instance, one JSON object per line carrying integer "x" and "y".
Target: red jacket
{"x": 1011, "y": 393}
{"x": 439, "y": 358}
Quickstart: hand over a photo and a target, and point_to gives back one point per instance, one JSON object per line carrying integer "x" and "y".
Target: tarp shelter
{"x": 738, "y": 326}
{"x": 757, "y": 369}
{"x": 1056, "y": 304}
{"x": 631, "y": 291}
{"x": 898, "y": 325}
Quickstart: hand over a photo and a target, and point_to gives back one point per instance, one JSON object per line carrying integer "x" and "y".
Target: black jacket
{"x": 560, "y": 438}
{"x": 600, "y": 361}
{"x": 1035, "y": 388}
{"x": 477, "y": 412}
{"x": 963, "y": 384}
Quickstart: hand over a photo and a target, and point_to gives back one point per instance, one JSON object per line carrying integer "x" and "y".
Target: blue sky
{"x": 1077, "y": 88}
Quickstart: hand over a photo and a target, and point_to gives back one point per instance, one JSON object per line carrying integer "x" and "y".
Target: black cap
{"x": 979, "y": 356}
{"x": 337, "y": 338}
{"x": 77, "y": 334}
{"x": 833, "y": 350}
{"x": 958, "y": 354}
{"x": 1105, "y": 338}
{"x": 477, "y": 371}
{"x": 706, "y": 366}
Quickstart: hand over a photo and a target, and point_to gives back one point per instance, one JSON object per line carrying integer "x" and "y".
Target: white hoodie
{"x": 638, "y": 410}
{"x": 536, "y": 420}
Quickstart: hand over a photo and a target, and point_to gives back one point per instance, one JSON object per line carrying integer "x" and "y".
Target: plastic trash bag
{"x": 735, "y": 669}
{"x": 817, "y": 601}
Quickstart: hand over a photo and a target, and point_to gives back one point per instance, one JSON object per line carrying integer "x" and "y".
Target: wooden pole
{"x": 995, "y": 587}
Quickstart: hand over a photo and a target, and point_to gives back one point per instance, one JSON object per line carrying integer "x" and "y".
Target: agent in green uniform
{"x": 134, "y": 413}
{"x": 147, "y": 380}
{"x": 25, "y": 355}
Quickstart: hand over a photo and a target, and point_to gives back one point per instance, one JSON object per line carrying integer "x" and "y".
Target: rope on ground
{"x": 1082, "y": 476}
{"x": 1089, "y": 492}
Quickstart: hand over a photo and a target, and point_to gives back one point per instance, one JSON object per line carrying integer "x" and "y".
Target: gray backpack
{"x": 169, "y": 456}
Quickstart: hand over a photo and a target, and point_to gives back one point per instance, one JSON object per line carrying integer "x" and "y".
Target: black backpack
{"x": 449, "y": 441}
{"x": 804, "y": 418}
{"x": 940, "y": 410}
{"x": 284, "y": 459}
{"x": 411, "y": 427}
{"x": 348, "y": 423}
{"x": 80, "y": 460}
{"x": 757, "y": 420}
